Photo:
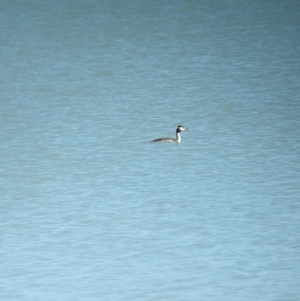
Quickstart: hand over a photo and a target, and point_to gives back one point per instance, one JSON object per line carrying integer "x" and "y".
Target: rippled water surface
{"x": 91, "y": 209}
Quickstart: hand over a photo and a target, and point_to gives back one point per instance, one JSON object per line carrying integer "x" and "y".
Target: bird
{"x": 179, "y": 129}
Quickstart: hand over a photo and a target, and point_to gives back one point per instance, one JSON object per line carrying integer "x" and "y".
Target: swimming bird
{"x": 179, "y": 129}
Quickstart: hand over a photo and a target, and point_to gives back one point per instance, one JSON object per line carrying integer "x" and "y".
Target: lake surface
{"x": 91, "y": 209}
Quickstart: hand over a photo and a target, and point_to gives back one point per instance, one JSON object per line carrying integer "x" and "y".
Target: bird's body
{"x": 179, "y": 129}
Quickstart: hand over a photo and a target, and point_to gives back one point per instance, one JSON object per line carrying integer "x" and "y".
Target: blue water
{"x": 90, "y": 209}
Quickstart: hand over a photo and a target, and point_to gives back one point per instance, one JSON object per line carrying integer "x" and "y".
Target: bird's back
{"x": 164, "y": 140}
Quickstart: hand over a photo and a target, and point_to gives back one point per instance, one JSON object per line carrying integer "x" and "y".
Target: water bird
{"x": 179, "y": 129}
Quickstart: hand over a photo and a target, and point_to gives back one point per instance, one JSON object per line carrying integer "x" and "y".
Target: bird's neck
{"x": 178, "y": 137}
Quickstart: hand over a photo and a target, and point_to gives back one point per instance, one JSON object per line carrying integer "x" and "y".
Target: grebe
{"x": 179, "y": 129}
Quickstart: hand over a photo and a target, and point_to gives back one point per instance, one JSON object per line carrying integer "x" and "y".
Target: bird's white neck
{"x": 178, "y": 140}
